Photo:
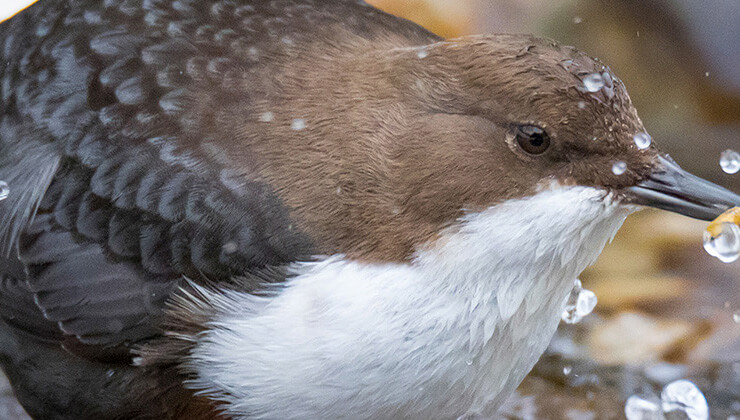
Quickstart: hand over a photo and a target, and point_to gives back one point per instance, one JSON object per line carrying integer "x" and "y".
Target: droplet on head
{"x": 642, "y": 140}
{"x": 684, "y": 397}
{"x": 298, "y": 124}
{"x": 4, "y": 190}
{"x": 267, "y": 116}
{"x": 619, "y": 168}
{"x": 729, "y": 160}
{"x": 577, "y": 19}
{"x": 422, "y": 53}
{"x": 581, "y": 104}
{"x": 593, "y": 82}
{"x": 568, "y": 64}
{"x": 725, "y": 246}
{"x": 567, "y": 370}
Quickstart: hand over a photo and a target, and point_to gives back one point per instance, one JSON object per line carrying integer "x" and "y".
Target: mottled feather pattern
{"x": 229, "y": 141}
{"x": 123, "y": 111}
{"x": 110, "y": 128}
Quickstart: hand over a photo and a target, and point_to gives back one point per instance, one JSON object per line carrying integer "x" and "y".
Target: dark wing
{"x": 111, "y": 131}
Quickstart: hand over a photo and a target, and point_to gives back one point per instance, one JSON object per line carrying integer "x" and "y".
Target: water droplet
{"x": 638, "y": 34}
{"x": 567, "y": 370}
{"x": 726, "y": 245}
{"x": 469, "y": 362}
{"x": 642, "y": 140}
{"x": 579, "y": 304}
{"x": 110, "y": 372}
{"x": 595, "y": 138}
{"x": 577, "y": 19}
{"x": 422, "y": 53}
{"x": 267, "y": 116}
{"x": 593, "y": 82}
{"x": 586, "y": 302}
{"x": 729, "y": 160}
{"x": 736, "y": 317}
{"x": 298, "y": 124}
{"x": 339, "y": 190}
{"x": 706, "y": 74}
{"x": 619, "y": 168}
{"x": 230, "y": 247}
{"x": 638, "y": 408}
{"x": 4, "y": 190}
{"x": 683, "y": 396}
{"x": 581, "y": 105}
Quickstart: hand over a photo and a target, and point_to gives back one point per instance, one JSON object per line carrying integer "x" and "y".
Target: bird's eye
{"x": 532, "y": 139}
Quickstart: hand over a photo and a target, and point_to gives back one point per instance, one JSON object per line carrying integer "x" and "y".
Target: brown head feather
{"x": 376, "y": 147}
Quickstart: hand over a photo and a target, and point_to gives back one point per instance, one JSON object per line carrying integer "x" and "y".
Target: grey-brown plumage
{"x": 111, "y": 125}
{"x": 221, "y": 141}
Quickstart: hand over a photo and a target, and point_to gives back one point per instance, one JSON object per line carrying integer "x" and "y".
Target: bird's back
{"x": 116, "y": 133}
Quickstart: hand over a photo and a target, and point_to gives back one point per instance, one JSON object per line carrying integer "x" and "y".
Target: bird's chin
{"x": 676, "y": 190}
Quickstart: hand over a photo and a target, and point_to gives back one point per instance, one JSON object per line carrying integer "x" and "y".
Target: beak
{"x": 673, "y": 189}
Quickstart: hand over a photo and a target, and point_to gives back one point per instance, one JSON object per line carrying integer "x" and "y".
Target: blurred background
{"x": 666, "y": 309}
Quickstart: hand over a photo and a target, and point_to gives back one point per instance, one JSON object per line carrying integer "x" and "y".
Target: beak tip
{"x": 676, "y": 190}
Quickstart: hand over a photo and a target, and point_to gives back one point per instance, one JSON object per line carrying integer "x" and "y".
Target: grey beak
{"x": 673, "y": 189}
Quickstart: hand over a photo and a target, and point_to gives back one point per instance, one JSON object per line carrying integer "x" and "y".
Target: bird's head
{"x": 522, "y": 112}
{"x": 423, "y": 135}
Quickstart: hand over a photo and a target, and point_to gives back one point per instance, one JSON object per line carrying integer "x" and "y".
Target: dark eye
{"x": 532, "y": 139}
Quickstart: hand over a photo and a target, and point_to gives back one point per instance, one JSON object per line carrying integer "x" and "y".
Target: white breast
{"x": 452, "y": 333}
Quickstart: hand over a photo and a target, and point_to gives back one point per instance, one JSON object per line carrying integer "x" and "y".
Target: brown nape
{"x": 379, "y": 146}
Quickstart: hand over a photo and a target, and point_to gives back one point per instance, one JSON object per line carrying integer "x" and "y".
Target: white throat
{"x": 451, "y": 333}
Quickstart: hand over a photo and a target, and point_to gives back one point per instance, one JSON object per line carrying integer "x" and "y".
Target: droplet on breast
{"x": 581, "y": 302}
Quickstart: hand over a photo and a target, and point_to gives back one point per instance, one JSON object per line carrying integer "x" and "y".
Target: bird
{"x": 299, "y": 209}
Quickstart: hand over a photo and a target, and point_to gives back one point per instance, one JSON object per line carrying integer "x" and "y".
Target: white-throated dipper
{"x": 299, "y": 209}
